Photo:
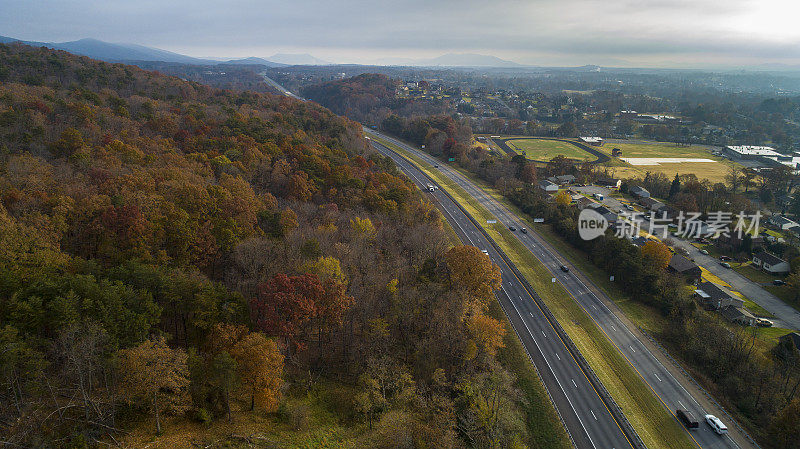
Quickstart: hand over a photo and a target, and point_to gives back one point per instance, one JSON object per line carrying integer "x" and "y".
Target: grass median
{"x": 655, "y": 425}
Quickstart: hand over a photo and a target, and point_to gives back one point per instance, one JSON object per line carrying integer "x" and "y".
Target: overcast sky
{"x": 652, "y": 33}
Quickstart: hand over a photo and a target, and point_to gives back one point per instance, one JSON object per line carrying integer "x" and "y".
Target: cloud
{"x": 578, "y": 31}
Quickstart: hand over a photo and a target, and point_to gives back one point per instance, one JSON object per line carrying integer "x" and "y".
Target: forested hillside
{"x": 370, "y": 97}
{"x": 174, "y": 256}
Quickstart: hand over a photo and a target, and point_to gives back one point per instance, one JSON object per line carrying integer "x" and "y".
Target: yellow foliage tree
{"x": 657, "y": 252}
{"x": 563, "y": 198}
{"x": 487, "y": 332}
{"x": 471, "y": 270}
{"x": 259, "y": 362}
{"x": 155, "y": 373}
{"x": 326, "y": 268}
{"x": 363, "y": 227}
{"x": 260, "y": 366}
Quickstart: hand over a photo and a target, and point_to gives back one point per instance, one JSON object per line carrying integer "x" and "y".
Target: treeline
{"x": 169, "y": 249}
{"x": 370, "y": 97}
{"x": 763, "y": 388}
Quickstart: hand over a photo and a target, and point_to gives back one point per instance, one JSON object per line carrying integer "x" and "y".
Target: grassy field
{"x": 655, "y": 425}
{"x": 657, "y": 149}
{"x": 714, "y": 172}
{"x": 544, "y": 150}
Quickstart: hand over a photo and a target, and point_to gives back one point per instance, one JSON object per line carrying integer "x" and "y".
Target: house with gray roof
{"x": 639, "y": 192}
{"x": 548, "y": 186}
{"x": 716, "y": 297}
{"x": 738, "y": 315}
{"x": 771, "y": 263}
{"x": 685, "y": 267}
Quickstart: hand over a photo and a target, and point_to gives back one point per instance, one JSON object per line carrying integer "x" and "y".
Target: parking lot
{"x": 611, "y": 203}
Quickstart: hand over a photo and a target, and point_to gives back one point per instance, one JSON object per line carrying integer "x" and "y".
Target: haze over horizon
{"x": 628, "y": 33}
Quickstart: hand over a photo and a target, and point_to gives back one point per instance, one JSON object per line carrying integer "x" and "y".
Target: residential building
{"x": 733, "y": 240}
{"x": 738, "y": 315}
{"x": 565, "y": 180}
{"x": 685, "y": 267}
{"x": 793, "y": 339}
{"x": 607, "y": 213}
{"x": 771, "y": 263}
{"x": 548, "y": 186}
{"x": 582, "y": 202}
{"x": 639, "y": 192}
{"x": 611, "y": 183}
{"x": 715, "y": 297}
{"x": 651, "y": 204}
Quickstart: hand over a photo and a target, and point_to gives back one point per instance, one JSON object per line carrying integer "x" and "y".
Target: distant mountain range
{"x": 121, "y": 52}
{"x": 297, "y": 59}
{"x": 114, "y": 52}
{"x": 467, "y": 60}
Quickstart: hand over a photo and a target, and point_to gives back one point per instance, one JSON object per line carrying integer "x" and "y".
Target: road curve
{"x": 589, "y": 423}
{"x": 582, "y": 430}
{"x": 665, "y": 378}
{"x": 503, "y": 144}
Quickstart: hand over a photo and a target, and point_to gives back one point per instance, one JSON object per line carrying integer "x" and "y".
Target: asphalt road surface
{"x": 786, "y": 316}
{"x": 671, "y": 387}
{"x": 589, "y": 422}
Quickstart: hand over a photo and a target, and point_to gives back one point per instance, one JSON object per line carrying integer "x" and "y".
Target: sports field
{"x": 660, "y": 153}
{"x": 544, "y": 150}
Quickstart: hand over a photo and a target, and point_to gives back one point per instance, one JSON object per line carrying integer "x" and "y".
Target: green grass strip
{"x": 654, "y": 424}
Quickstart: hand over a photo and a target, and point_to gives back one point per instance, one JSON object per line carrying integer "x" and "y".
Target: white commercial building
{"x": 767, "y": 155}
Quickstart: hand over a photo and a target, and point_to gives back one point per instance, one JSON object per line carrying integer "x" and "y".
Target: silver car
{"x": 716, "y": 424}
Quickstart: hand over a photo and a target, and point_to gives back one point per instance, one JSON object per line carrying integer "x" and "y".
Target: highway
{"x": 588, "y": 421}
{"x": 585, "y": 416}
{"x": 672, "y": 387}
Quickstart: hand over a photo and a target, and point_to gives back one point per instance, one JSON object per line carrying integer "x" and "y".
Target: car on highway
{"x": 687, "y": 418}
{"x": 778, "y": 282}
{"x": 435, "y": 165}
{"x": 485, "y": 252}
{"x": 704, "y": 251}
{"x": 716, "y": 424}
{"x": 763, "y": 322}
{"x": 564, "y": 268}
{"x": 524, "y": 231}
{"x": 725, "y": 264}
{"x": 512, "y": 228}
{"x": 684, "y": 251}
{"x": 629, "y": 207}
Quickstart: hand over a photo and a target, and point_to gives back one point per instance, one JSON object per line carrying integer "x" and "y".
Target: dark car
{"x": 725, "y": 258}
{"x": 778, "y": 282}
{"x": 564, "y": 268}
{"x": 524, "y": 231}
{"x": 687, "y": 418}
{"x": 436, "y": 166}
{"x": 512, "y": 228}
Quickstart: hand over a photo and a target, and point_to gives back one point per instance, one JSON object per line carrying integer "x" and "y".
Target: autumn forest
{"x": 175, "y": 258}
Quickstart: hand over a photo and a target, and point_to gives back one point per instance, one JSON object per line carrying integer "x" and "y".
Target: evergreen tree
{"x": 675, "y": 187}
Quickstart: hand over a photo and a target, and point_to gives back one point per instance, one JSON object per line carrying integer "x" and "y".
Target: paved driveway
{"x": 785, "y": 315}
{"x": 611, "y": 203}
